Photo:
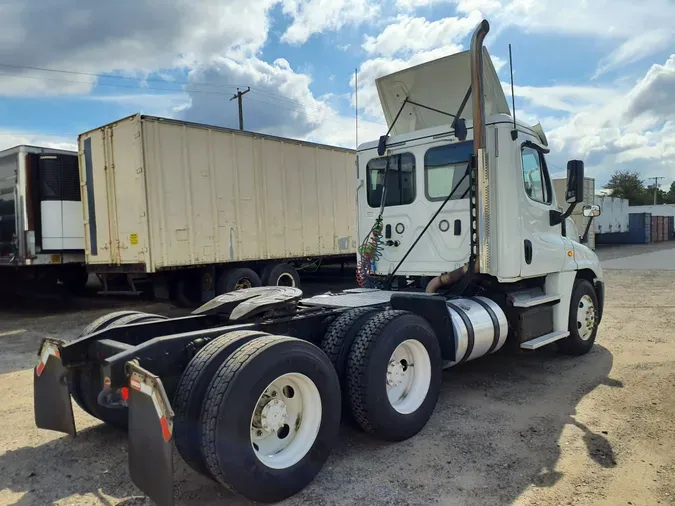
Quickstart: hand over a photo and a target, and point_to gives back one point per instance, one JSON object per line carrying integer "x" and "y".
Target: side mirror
{"x": 575, "y": 182}
{"x": 591, "y": 211}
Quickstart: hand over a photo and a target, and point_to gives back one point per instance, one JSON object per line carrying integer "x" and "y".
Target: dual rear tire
{"x": 258, "y": 413}
{"x": 389, "y": 365}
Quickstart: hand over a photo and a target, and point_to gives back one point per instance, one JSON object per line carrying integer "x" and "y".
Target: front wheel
{"x": 583, "y": 320}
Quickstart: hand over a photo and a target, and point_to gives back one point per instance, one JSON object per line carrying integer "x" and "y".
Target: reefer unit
{"x": 40, "y": 208}
{"x": 161, "y": 194}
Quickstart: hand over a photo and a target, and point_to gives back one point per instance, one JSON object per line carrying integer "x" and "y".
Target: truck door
{"x": 544, "y": 249}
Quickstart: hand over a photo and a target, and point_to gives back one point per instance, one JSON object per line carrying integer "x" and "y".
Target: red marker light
{"x": 124, "y": 392}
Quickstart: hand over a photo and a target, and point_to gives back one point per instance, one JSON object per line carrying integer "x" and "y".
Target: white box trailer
{"x": 41, "y": 231}
{"x": 163, "y": 197}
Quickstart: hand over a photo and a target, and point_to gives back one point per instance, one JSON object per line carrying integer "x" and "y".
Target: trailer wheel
{"x": 394, "y": 375}
{"x": 270, "y": 418}
{"x": 280, "y": 275}
{"x": 236, "y": 279}
{"x": 86, "y": 382}
{"x": 583, "y": 320}
{"x": 192, "y": 388}
{"x": 338, "y": 341}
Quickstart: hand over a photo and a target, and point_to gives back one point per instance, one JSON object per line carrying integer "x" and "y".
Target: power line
{"x": 321, "y": 108}
{"x": 238, "y": 97}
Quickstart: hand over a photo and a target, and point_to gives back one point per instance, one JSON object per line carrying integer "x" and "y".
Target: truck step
{"x": 525, "y": 302}
{"x": 544, "y": 340}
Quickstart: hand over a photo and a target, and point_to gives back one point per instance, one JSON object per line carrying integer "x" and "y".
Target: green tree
{"x": 670, "y": 196}
{"x": 628, "y": 185}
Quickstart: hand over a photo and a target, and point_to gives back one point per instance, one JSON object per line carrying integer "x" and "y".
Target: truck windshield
{"x": 444, "y": 167}
{"x": 400, "y": 180}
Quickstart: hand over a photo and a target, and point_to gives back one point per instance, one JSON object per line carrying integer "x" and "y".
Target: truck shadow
{"x": 495, "y": 433}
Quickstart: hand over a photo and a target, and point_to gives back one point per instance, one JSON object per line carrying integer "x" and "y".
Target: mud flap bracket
{"x": 52, "y": 406}
{"x": 150, "y": 435}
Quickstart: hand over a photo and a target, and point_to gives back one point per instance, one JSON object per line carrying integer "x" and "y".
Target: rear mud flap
{"x": 150, "y": 435}
{"x": 52, "y": 406}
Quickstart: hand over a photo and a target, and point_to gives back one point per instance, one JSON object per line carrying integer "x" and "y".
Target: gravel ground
{"x": 536, "y": 429}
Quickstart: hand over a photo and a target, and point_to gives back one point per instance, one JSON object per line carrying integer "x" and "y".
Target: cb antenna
{"x": 356, "y": 108}
{"x": 514, "y": 132}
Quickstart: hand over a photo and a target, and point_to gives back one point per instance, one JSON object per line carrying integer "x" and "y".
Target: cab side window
{"x": 535, "y": 177}
{"x": 400, "y": 183}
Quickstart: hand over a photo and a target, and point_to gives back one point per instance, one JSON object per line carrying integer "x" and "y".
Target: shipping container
{"x": 613, "y": 238}
{"x": 671, "y": 228}
{"x": 41, "y": 230}
{"x": 614, "y": 215}
{"x": 639, "y": 227}
{"x": 162, "y": 195}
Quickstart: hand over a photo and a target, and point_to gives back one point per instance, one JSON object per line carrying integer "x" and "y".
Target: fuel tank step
{"x": 533, "y": 344}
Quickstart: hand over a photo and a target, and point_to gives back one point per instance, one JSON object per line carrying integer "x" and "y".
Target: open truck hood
{"x": 441, "y": 84}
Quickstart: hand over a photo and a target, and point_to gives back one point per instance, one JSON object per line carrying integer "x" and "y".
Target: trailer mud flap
{"x": 52, "y": 406}
{"x": 150, "y": 435}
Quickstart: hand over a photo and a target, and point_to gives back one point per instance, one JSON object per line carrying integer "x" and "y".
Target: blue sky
{"x": 599, "y": 81}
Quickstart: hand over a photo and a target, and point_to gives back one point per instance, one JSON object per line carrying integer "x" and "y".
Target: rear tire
{"x": 236, "y": 279}
{"x": 338, "y": 341}
{"x": 583, "y": 320}
{"x": 192, "y": 389}
{"x": 87, "y": 382}
{"x": 394, "y": 375}
{"x": 104, "y": 321}
{"x": 299, "y": 417}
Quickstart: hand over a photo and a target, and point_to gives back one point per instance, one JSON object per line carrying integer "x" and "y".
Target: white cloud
{"x": 155, "y": 104}
{"x": 634, "y": 129}
{"x": 411, "y": 35}
{"x": 279, "y": 103}
{"x": 317, "y": 16}
{"x": 562, "y": 98}
{"x": 10, "y": 139}
{"x": 411, "y": 5}
{"x": 635, "y": 49}
{"x": 122, "y": 35}
{"x": 655, "y": 94}
{"x": 599, "y": 19}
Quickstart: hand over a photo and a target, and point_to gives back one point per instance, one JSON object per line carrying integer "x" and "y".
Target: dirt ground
{"x": 537, "y": 429}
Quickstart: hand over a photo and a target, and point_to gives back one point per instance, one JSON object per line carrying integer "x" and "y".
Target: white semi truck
{"x": 41, "y": 231}
{"x": 465, "y": 252}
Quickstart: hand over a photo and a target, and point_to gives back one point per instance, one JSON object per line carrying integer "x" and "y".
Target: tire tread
{"x": 357, "y": 367}
{"x": 214, "y": 395}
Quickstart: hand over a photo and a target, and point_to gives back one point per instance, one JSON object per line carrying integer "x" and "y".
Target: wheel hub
{"x": 395, "y": 373}
{"x": 273, "y": 415}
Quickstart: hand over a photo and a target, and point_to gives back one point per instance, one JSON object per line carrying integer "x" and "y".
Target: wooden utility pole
{"x": 238, "y": 96}
{"x": 656, "y": 186}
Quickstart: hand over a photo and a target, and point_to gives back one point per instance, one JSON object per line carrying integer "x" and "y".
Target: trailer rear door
{"x": 115, "y": 211}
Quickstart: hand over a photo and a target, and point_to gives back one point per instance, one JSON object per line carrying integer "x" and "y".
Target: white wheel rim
{"x": 408, "y": 376}
{"x": 286, "y": 280}
{"x": 286, "y": 421}
{"x": 585, "y": 317}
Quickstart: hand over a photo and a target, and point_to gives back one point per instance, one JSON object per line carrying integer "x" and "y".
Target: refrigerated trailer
{"x": 200, "y": 210}
{"x": 251, "y": 387}
{"x": 41, "y": 230}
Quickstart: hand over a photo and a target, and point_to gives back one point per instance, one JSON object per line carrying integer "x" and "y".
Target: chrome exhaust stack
{"x": 481, "y": 226}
